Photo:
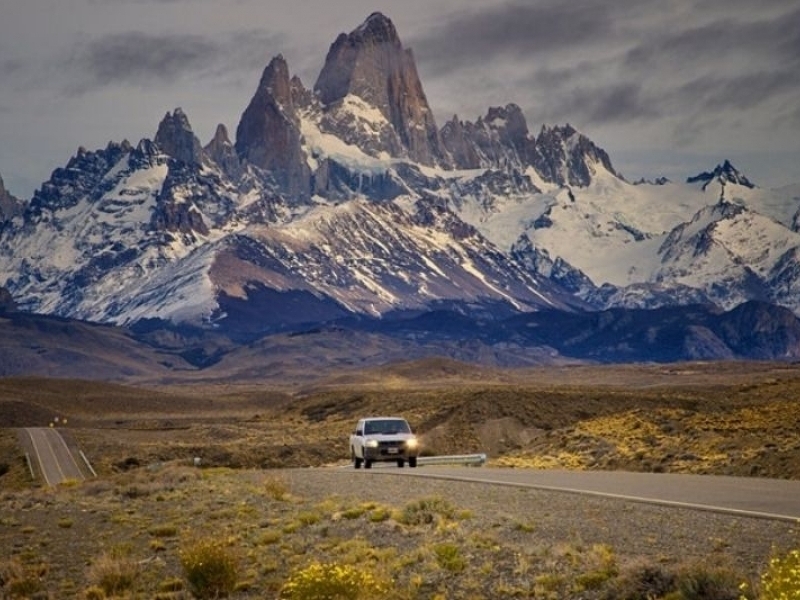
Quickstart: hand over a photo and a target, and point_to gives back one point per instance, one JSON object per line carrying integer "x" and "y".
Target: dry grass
{"x": 739, "y": 418}
{"x": 706, "y": 418}
{"x": 423, "y": 546}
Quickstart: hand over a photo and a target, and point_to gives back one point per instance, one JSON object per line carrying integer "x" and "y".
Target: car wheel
{"x": 356, "y": 461}
{"x": 367, "y": 463}
{"x": 401, "y": 463}
{"x": 412, "y": 461}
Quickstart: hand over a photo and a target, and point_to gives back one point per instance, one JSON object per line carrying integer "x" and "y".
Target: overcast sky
{"x": 666, "y": 87}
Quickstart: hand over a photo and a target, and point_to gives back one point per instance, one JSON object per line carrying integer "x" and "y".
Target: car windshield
{"x": 386, "y": 426}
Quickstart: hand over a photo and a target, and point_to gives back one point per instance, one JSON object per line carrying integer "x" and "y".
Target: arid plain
{"x": 712, "y": 418}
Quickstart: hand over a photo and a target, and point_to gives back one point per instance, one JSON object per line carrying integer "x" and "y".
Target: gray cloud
{"x": 692, "y": 66}
{"x": 11, "y": 67}
{"x": 742, "y": 92}
{"x": 145, "y": 2}
{"x": 516, "y": 29}
{"x": 621, "y": 102}
{"x": 139, "y": 59}
{"x": 748, "y": 37}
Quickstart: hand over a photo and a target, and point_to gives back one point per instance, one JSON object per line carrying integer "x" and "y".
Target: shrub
{"x": 173, "y": 584}
{"x": 354, "y": 512}
{"x": 698, "y": 583}
{"x": 449, "y": 557}
{"x": 605, "y": 568}
{"x": 94, "y": 593}
{"x": 270, "y": 536}
{"x": 781, "y": 580}
{"x": 276, "y": 488}
{"x": 320, "y": 581}
{"x": 114, "y": 573}
{"x": 308, "y": 518}
{"x": 165, "y": 530}
{"x": 16, "y": 581}
{"x": 426, "y": 511}
{"x": 379, "y": 514}
{"x": 642, "y": 583}
{"x": 704, "y": 584}
{"x": 210, "y": 567}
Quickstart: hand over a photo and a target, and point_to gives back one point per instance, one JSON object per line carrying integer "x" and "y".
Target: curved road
{"x": 53, "y": 457}
{"x": 745, "y": 496}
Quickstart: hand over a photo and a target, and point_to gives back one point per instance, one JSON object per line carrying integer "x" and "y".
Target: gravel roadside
{"x": 634, "y": 530}
{"x": 501, "y": 541}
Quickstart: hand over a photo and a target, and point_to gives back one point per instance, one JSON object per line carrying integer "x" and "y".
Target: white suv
{"x": 383, "y": 439}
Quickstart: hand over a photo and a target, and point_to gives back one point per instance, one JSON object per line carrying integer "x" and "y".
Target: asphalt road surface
{"x": 747, "y": 496}
{"x": 53, "y": 457}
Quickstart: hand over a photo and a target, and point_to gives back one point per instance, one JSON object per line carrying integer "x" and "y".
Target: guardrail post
{"x": 86, "y": 460}
{"x": 30, "y": 466}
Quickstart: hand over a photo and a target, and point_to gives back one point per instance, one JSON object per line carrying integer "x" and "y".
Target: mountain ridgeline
{"x": 346, "y": 202}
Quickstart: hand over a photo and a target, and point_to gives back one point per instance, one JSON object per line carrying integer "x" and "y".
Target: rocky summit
{"x": 371, "y": 64}
{"x": 10, "y": 205}
{"x": 347, "y": 201}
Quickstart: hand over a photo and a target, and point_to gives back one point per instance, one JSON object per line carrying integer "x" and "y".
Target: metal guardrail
{"x": 472, "y": 460}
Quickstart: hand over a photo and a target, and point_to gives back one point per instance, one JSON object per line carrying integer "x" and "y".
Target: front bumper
{"x": 386, "y": 452}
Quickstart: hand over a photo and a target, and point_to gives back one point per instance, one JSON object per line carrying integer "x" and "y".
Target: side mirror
{"x": 359, "y": 432}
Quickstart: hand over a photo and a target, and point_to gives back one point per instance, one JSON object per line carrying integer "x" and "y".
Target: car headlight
{"x": 412, "y": 443}
{"x": 371, "y": 443}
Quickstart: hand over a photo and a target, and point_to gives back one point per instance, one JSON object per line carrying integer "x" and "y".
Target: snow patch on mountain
{"x": 348, "y": 198}
{"x": 321, "y": 145}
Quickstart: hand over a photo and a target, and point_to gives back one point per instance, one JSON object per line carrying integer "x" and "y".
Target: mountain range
{"x": 346, "y": 207}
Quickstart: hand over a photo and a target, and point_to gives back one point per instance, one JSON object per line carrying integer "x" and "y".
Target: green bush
{"x": 781, "y": 580}
{"x": 331, "y": 581}
{"x": 210, "y": 567}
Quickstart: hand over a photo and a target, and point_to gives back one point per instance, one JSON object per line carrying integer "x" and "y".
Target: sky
{"x": 667, "y": 87}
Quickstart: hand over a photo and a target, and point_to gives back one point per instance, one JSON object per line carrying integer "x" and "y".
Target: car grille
{"x": 385, "y": 447}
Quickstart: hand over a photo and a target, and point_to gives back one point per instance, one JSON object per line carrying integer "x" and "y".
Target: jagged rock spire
{"x": 565, "y": 156}
{"x": 371, "y": 63}
{"x": 176, "y": 138}
{"x": 268, "y": 135}
{"x": 221, "y": 151}
{"x": 9, "y": 205}
{"x": 724, "y": 173}
{"x": 498, "y": 140}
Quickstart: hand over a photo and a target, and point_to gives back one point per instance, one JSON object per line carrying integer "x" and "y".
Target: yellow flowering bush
{"x": 781, "y": 580}
{"x": 332, "y": 581}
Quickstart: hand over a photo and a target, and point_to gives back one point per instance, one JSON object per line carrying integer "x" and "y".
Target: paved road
{"x": 748, "y": 496}
{"x": 52, "y": 455}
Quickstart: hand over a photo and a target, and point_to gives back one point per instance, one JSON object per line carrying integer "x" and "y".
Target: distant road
{"x": 746, "y": 496}
{"x": 52, "y": 455}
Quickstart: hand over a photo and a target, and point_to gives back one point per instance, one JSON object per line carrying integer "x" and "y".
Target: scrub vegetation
{"x": 193, "y": 499}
